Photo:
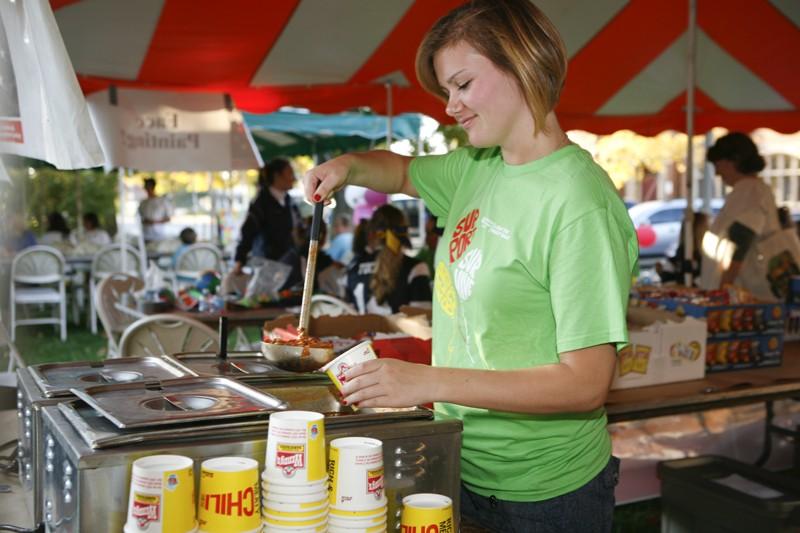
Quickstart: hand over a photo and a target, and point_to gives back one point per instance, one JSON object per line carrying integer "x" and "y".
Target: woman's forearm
{"x": 555, "y": 388}
{"x": 578, "y": 383}
{"x": 381, "y": 170}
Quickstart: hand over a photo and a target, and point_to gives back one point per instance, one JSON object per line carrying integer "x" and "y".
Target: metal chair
{"x": 115, "y": 304}
{"x": 166, "y": 334}
{"x": 37, "y": 278}
{"x": 194, "y": 260}
{"x": 108, "y": 261}
{"x": 236, "y": 284}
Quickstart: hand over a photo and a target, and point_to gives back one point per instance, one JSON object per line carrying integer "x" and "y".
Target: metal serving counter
{"x": 86, "y": 490}
{"x": 83, "y": 424}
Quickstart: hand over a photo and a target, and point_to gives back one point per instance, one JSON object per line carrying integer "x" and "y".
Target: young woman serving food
{"x": 532, "y": 276}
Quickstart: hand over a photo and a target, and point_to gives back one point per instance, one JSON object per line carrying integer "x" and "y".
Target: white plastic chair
{"x": 116, "y": 306}
{"x": 323, "y": 304}
{"x": 166, "y": 334}
{"x": 9, "y": 377}
{"x": 37, "y": 278}
{"x": 108, "y": 261}
{"x": 194, "y": 260}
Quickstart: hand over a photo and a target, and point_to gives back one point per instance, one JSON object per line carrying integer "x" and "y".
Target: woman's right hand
{"x": 322, "y": 181}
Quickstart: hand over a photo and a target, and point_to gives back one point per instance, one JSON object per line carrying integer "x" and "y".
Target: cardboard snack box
{"x": 357, "y": 325}
{"x": 664, "y": 348}
{"x": 397, "y": 336}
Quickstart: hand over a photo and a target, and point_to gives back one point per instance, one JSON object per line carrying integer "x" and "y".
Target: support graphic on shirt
{"x": 462, "y": 235}
{"x": 465, "y": 273}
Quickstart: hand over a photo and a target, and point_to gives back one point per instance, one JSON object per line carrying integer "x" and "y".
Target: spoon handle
{"x": 311, "y": 268}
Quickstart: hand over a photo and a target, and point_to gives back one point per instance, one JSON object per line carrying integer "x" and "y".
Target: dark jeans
{"x": 587, "y": 509}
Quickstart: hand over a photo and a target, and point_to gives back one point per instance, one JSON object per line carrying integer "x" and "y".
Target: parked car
{"x": 658, "y": 224}
{"x": 414, "y": 209}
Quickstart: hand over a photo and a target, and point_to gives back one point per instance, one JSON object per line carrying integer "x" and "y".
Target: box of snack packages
{"x": 664, "y": 348}
{"x": 742, "y": 332}
{"x": 397, "y": 336}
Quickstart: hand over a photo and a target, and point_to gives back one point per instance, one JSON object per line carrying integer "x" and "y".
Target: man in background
{"x": 154, "y": 211}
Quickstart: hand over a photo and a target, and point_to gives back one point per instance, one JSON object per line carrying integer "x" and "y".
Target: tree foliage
{"x": 40, "y": 189}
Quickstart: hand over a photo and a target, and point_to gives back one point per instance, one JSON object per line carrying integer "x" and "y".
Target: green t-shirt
{"x": 535, "y": 260}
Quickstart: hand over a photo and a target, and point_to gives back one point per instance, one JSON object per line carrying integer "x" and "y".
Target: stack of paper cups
{"x": 162, "y": 495}
{"x": 427, "y": 512}
{"x": 295, "y": 480}
{"x": 357, "y": 498}
{"x": 229, "y": 499}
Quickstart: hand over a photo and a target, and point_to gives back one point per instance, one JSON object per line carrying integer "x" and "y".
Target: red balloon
{"x": 646, "y": 236}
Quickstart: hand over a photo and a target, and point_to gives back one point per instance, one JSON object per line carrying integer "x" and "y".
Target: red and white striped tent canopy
{"x": 628, "y": 58}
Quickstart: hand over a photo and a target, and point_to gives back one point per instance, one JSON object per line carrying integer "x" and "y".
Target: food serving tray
{"x": 174, "y": 401}
{"x": 242, "y": 366}
{"x": 99, "y": 433}
{"x": 58, "y": 379}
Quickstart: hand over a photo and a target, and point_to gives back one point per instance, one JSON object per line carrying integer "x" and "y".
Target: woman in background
{"x": 381, "y": 277}
{"x": 93, "y": 234}
{"x": 57, "y": 230}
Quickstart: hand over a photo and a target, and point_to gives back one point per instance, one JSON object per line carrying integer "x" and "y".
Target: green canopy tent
{"x": 292, "y": 133}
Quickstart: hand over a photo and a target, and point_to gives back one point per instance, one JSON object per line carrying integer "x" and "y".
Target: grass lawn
{"x": 41, "y": 344}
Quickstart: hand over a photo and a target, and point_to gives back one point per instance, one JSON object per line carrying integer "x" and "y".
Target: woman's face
{"x": 484, "y": 100}
{"x": 726, "y": 169}
{"x": 284, "y": 180}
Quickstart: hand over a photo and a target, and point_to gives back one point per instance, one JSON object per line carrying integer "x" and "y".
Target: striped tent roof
{"x": 627, "y": 57}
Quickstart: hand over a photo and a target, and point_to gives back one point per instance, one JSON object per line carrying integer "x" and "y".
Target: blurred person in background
{"x": 269, "y": 227}
{"x": 188, "y": 237}
{"x": 382, "y": 278}
{"x": 58, "y": 231}
{"x": 432, "y": 234}
{"x": 674, "y": 267}
{"x": 154, "y": 211}
{"x": 747, "y": 218}
{"x": 341, "y": 246}
{"x": 19, "y": 236}
{"x": 92, "y": 232}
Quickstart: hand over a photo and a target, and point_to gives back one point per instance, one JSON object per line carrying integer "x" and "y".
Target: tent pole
{"x": 212, "y": 226}
{"x": 708, "y": 177}
{"x": 389, "y": 113}
{"x": 123, "y": 234}
{"x": 79, "y": 205}
{"x": 688, "y": 232}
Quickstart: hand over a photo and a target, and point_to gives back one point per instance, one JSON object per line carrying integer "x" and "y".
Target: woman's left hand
{"x": 389, "y": 383}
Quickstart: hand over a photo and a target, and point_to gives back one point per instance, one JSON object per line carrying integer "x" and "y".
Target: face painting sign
{"x": 158, "y": 130}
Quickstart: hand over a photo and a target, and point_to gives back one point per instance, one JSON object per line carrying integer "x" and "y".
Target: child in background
{"x": 188, "y": 237}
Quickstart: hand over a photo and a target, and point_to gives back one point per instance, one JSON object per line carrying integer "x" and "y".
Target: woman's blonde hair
{"x": 387, "y": 218}
{"x": 514, "y": 35}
